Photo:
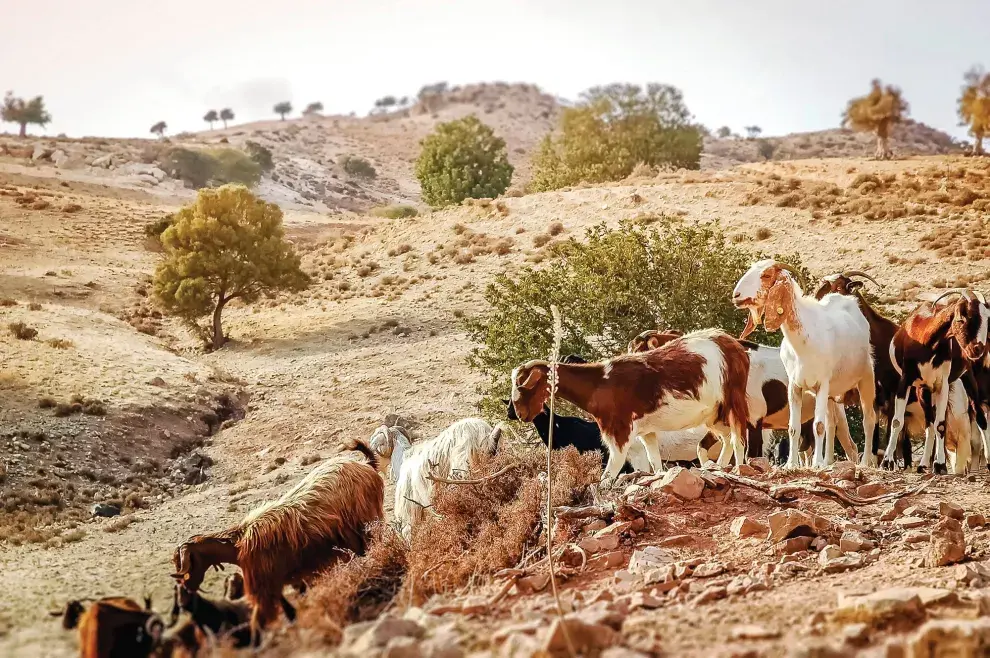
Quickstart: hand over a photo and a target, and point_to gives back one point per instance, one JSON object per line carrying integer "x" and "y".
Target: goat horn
{"x": 980, "y": 296}
{"x": 850, "y": 273}
{"x": 947, "y": 293}
{"x": 797, "y": 275}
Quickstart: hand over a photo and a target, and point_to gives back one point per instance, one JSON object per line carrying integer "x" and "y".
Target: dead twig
{"x": 465, "y": 609}
{"x": 499, "y": 473}
{"x": 603, "y": 511}
{"x": 785, "y": 493}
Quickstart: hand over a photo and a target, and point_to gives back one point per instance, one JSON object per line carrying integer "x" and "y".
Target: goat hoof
{"x": 887, "y": 464}
{"x": 940, "y": 469}
{"x": 922, "y": 469}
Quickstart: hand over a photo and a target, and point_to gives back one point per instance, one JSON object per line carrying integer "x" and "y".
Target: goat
{"x": 936, "y": 345}
{"x": 448, "y": 454}
{"x": 223, "y": 617}
{"x": 766, "y": 395}
{"x": 584, "y": 435}
{"x": 825, "y": 350}
{"x": 233, "y": 587}
{"x": 114, "y": 627}
{"x": 314, "y": 525}
{"x": 882, "y": 333}
{"x": 697, "y": 379}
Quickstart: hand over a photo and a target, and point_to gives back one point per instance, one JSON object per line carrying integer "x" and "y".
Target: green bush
{"x": 260, "y": 154}
{"x": 203, "y": 168}
{"x": 614, "y": 129}
{"x": 462, "y": 159}
{"x": 610, "y": 288}
{"x": 397, "y": 211}
{"x": 355, "y": 166}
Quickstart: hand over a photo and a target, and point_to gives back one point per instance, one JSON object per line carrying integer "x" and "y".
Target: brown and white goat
{"x": 936, "y": 345}
{"x": 697, "y": 379}
{"x": 320, "y": 521}
{"x": 826, "y": 349}
{"x": 114, "y": 627}
{"x": 766, "y": 395}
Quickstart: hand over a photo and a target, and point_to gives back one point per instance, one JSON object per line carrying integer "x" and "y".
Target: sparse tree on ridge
{"x": 974, "y": 105}
{"x": 753, "y": 131}
{"x": 766, "y": 149}
{"x": 159, "y": 129}
{"x": 211, "y": 117}
{"x": 21, "y": 112}
{"x": 724, "y": 132}
{"x": 877, "y": 112}
{"x": 313, "y": 108}
{"x": 283, "y": 108}
{"x": 226, "y": 114}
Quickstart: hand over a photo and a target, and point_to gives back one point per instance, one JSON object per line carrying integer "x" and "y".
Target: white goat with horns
{"x": 826, "y": 349}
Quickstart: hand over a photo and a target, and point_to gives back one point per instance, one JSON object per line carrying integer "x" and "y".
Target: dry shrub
{"x": 118, "y": 524}
{"x": 555, "y": 228}
{"x": 642, "y": 170}
{"x": 60, "y": 343}
{"x": 357, "y": 590}
{"x": 790, "y": 200}
{"x": 763, "y": 233}
{"x": 21, "y": 331}
{"x": 540, "y": 239}
{"x": 480, "y": 529}
{"x": 464, "y": 257}
{"x": 71, "y": 208}
{"x": 7, "y": 301}
{"x": 399, "y": 250}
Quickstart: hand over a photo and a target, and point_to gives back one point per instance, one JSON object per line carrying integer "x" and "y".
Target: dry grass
{"x": 60, "y": 343}
{"x": 119, "y": 523}
{"x": 555, "y": 228}
{"x": 34, "y": 306}
{"x": 7, "y": 301}
{"x": 541, "y": 239}
{"x": 480, "y": 529}
{"x": 21, "y": 331}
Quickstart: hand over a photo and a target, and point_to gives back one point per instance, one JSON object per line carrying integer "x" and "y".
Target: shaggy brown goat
{"x": 291, "y": 540}
{"x": 114, "y": 627}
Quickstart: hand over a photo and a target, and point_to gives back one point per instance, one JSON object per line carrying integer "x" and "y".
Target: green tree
{"x": 260, "y": 154}
{"x": 724, "y": 132}
{"x": 616, "y": 284}
{"x": 462, "y": 159}
{"x": 226, "y": 114}
{"x": 974, "y": 106}
{"x": 227, "y": 245}
{"x": 877, "y": 112}
{"x": 313, "y": 108}
{"x": 21, "y": 112}
{"x": 283, "y": 108}
{"x": 211, "y": 117}
{"x": 753, "y": 131}
{"x": 613, "y": 129}
{"x": 766, "y": 148}
{"x": 159, "y": 129}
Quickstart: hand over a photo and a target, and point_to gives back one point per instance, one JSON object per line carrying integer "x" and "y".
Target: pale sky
{"x": 115, "y": 67}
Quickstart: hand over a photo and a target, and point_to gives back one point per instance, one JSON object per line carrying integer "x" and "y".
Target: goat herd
{"x": 704, "y": 394}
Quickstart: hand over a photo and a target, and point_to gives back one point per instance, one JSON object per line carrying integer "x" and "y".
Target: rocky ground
{"x": 379, "y": 334}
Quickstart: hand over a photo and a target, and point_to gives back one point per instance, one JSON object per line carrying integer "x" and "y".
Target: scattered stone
{"x": 761, "y": 464}
{"x": 105, "y": 510}
{"x": 947, "y": 544}
{"x": 951, "y": 510}
{"x": 909, "y": 522}
{"x": 844, "y": 470}
{"x": 903, "y": 602}
{"x": 871, "y": 489}
{"x": 402, "y": 647}
{"x": 844, "y": 563}
{"x": 714, "y": 593}
{"x": 603, "y": 613}
{"x": 534, "y": 583}
{"x": 948, "y": 637}
{"x": 793, "y": 522}
{"x": 793, "y": 545}
{"x": 971, "y": 573}
{"x": 104, "y": 161}
{"x": 746, "y": 470}
{"x": 643, "y": 600}
{"x": 586, "y": 638}
{"x": 40, "y": 153}
{"x": 791, "y": 569}
{"x": 853, "y": 541}
{"x": 382, "y": 631}
{"x": 818, "y": 543}
{"x": 650, "y": 557}
{"x": 661, "y": 575}
{"x": 682, "y": 483}
{"x": 607, "y": 542}
{"x": 709, "y": 570}
{"x": 915, "y": 510}
{"x": 976, "y": 520}
{"x": 753, "y": 632}
{"x": 676, "y": 540}
{"x": 916, "y": 537}
{"x": 611, "y": 560}
{"x": 157, "y": 381}
{"x": 828, "y": 553}
{"x": 743, "y": 526}
{"x": 589, "y": 545}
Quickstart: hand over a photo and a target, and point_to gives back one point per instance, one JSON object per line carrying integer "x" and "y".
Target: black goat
{"x": 219, "y": 617}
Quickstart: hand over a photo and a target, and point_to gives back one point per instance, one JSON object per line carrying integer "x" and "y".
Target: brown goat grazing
{"x": 233, "y": 587}
{"x": 697, "y": 379}
{"x": 114, "y": 627}
{"x": 291, "y": 540}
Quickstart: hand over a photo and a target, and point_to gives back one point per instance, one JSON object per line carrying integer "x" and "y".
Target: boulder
{"x": 104, "y": 161}
{"x": 947, "y": 544}
{"x": 976, "y": 520}
{"x": 105, "y": 510}
{"x": 951, "y": 510}
{"x": 41, "y": 153}
{"x": 793, "y": 523}
{"x": 682, "y": 483}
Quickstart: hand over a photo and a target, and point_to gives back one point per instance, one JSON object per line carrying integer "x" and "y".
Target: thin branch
{"x": 784, "y": 493}
{"x": 498, "y": 473}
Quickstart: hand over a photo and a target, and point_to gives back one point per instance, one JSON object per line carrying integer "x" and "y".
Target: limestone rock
{"x": 909, "y": 522}
{"x": 853, "y": 541}
{"x": 794, "y": 522}
{"x": 959, "y": 638}
{"x": 682, "y": 483}
{"x": 902, "y": 602}
{"x": 844, "y": 470}
{"x": 976, "y": 520}
{"x": 104, "y": 161}
{"x": 951, "y": 510}
{"x": 586, "y": 638}
{"x": 743, "y": 526}
{"x": 844, "y": 563}
{"x": 947, "y": 544}
{"x": 650, "y": 557}
{"x": 871, "y": 489}
{"x": 761, "y": 464}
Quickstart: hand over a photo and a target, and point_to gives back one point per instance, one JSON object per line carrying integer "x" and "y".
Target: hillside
{"x": 187, "y": 442}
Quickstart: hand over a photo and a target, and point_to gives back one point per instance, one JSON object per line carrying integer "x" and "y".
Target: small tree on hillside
{"x": 313, "y": 108}
{"x": 877, "y": 112}
{"x": 21, "y": 112}
{"x": 613, "y": 129}
{"x": 159, "y": 129}
{"x": 227, "y": 245}
{"x": 766, "y": 148}
{"x": 283, "y": 108}
{"x": 724, "y": 132}
{"x": 211, "y": 117}
{"x": 974, "y": 106}
{"x": 753, "y": 131}
{"x": 226, "y": 114}
{"x": 462, "y": 159}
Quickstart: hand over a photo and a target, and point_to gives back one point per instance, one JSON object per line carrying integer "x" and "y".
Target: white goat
{"x": 447, "y": 455}
{"x": 826, "y": 350}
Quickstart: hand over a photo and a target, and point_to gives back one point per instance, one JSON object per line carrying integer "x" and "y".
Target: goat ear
{"x": 750, "y": 325}
{"x": 653, "y": 342}
{"x": 534, "y": 376}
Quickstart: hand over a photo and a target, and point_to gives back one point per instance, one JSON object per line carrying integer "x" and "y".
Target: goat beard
{"x": 752, "y": 322}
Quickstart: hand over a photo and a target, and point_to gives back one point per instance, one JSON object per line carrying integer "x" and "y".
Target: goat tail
{"x": 362, "y": 447}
